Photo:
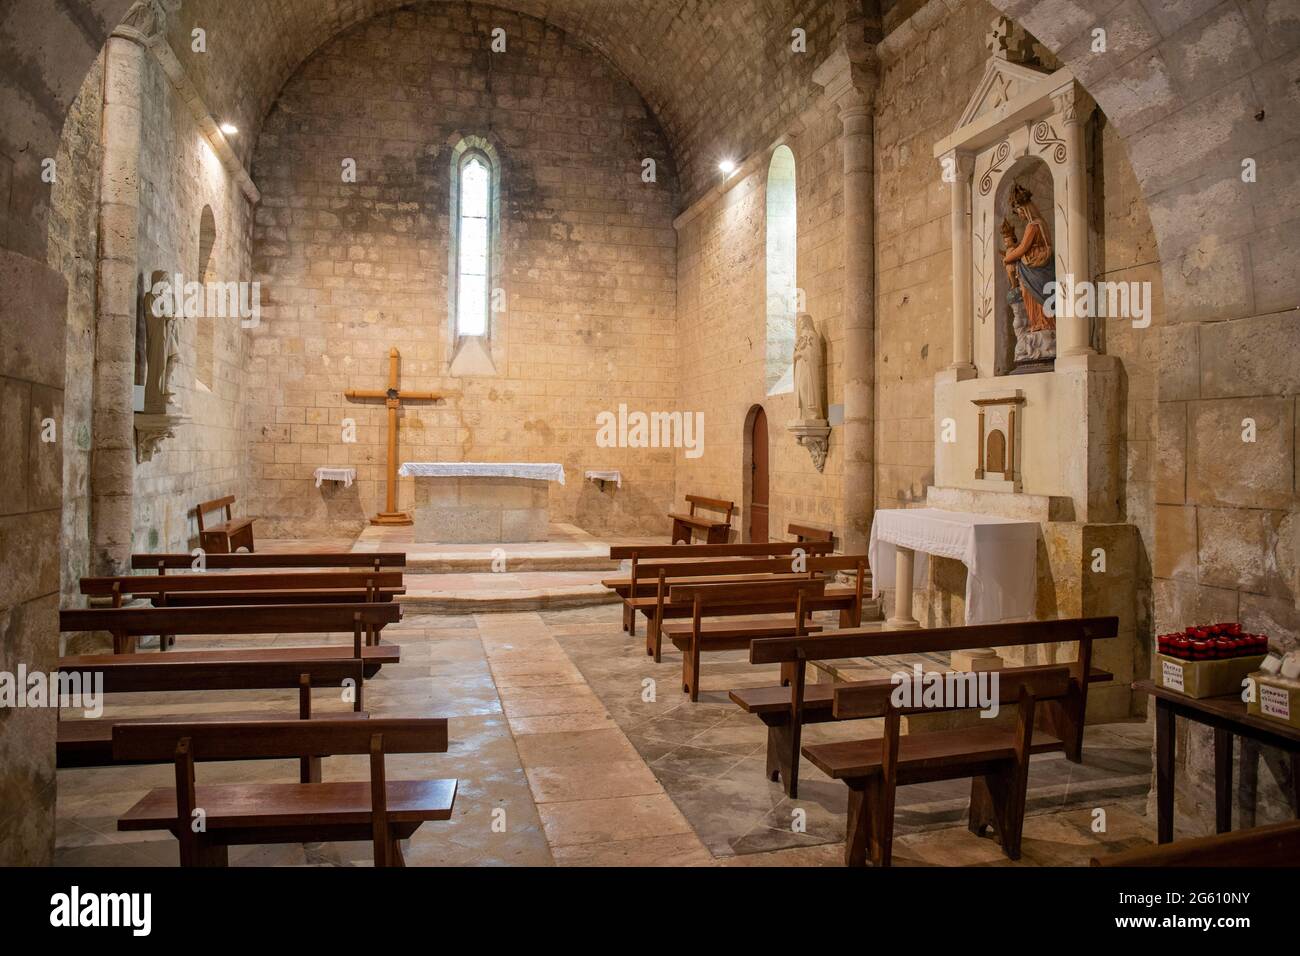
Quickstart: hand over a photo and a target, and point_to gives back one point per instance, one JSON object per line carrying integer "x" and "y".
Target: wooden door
{"x": 758, "y": 477}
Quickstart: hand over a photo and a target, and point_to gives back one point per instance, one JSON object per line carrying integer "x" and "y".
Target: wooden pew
{"x": 714, "y": 530}
{"x": 996, "y": 758}
{"x": 89, "y": 742}
{"x": 785, "y": 709}
{"x": 363, "y": 620}
{"x": 381, "y": 811}
{"x": 1277, "y": 844}
{"x": 636, "y": 583}
{"x": 659, "y": 606}
{"x": 262, "y": 560}
{"x": 228, "y": 536}
{"x": 807, "y": 534}
{"x": 280, "y": 587}
{"x": 693, "y": 637}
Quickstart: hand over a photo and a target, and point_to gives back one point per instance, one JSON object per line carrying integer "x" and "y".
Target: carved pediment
{"x": 1002, "y": 82}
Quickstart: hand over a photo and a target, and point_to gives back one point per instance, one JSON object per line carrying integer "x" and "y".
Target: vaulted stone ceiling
{"x": 720, "y": 77}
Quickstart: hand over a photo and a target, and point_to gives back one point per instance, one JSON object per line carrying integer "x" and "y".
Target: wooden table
{"x": 1228, "y": 717}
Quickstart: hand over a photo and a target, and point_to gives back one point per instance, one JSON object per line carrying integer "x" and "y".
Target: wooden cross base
{"x": 392, "y": 518}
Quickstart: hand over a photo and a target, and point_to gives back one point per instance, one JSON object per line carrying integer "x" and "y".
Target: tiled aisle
{"x": 563, "y": 758}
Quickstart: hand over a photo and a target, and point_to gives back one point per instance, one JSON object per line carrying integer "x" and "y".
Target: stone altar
{"x": 481, "y": 502}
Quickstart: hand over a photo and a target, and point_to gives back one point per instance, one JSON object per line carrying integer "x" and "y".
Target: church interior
{"x": 624, "y": 433}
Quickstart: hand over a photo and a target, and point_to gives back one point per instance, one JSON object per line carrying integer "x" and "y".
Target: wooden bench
{"x": 381, "y": 811}
{"x": 714, "y": 530}
{"x": 996, "y": 758}
{"x": 263, "y": 560}
{"x": 807, "y": 534}
{"x": 659, "y": 606}
{"x": 281, "y": 587}
{"x": 778, "y": 597}
{"x": 1277, "y": 844}
{"x": 785, "y": 709}
{"x": 636, "y": 582}
{"x": 89, "y": 742}
{"x": 126, "y": 624}
{"x": 229, "y": 536}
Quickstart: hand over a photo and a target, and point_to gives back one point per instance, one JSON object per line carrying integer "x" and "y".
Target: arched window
{"x": 782, "y": 289}
{"x": 474, "y": 207}
{"x": 206, "y": 334}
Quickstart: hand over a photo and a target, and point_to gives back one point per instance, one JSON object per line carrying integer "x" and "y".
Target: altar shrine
{"x": 475, "y": 502}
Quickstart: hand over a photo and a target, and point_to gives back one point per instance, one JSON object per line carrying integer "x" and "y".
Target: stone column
{"x": 904, "y": 572}
{"x": 960, "y": 165}
{"x": 850, "y": 83}
{"x": 1074, "y": 332}
{"x": 113, "y": 457}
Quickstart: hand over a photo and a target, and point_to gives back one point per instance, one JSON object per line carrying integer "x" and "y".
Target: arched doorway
{"x": 757, "y": 478}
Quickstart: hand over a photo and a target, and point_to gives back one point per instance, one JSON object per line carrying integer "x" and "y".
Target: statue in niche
{"x": 162, "y": 337}
{"x": 811, "y": 430}
{"x": 1030, "y": 266}
{"x": 809, "y": 370}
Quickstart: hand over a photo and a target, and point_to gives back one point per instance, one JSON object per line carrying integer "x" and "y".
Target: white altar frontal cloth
{"x": 345, "y": 475}
{"x": 999, "y": 553}
{"x": 548, "y": 471}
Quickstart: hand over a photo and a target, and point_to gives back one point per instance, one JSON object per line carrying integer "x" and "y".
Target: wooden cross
{"x": 393, "y": 397}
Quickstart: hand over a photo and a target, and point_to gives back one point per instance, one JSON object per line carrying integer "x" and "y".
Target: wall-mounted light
{"x": 727, "y": 167}
{"x": 230, "y": 129}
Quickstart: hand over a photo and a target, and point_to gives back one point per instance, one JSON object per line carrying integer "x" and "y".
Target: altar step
{"x": 469, "y": 593}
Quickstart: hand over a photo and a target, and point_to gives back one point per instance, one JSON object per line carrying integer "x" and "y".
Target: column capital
{"x": 1073, "y": 104}
{"x": 960, "y": 161}
{"x": 849, "y": 78}
{"x": 145, "y": 21}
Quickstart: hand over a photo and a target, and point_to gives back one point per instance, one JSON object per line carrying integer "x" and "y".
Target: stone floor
{"x": 562, "y": 760}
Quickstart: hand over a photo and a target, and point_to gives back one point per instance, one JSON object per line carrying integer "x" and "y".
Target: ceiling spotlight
{"x": 230, "y": 129}
{"x": 727, "y": 167}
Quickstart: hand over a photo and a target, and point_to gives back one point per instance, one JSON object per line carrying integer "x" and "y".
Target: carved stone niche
{"x": 997, "y": 466}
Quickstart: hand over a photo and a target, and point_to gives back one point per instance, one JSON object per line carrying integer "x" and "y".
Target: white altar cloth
{"x": 345, "y": 475}
{"x": 999, "y": 554}
{"x": 482, "y": 469}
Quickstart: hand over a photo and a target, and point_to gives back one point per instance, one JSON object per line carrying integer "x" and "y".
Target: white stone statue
{"x": 809, "y": 370}
{"x": 163, "y": 349}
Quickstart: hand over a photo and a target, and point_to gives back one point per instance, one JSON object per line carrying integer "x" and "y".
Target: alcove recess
{"x": 1057, "y": 422}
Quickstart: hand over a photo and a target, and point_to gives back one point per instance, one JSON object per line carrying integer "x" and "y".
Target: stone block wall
{"x": 722, "y": 334}
{"x": 352, "y": 269}
{"x": 180, "y": 174}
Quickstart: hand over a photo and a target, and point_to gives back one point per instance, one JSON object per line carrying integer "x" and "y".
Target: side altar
{"x": 469, "y": 502}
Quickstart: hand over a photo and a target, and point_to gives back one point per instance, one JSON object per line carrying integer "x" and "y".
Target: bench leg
{"x": 654, "y": 639}
{"x": 680, "y": 533}
{"x": 395, "y": 857}
{"x": 783, "y": 755}
{"x": 998, "y": 801}
{"x": 205, "y": 853}
{"x": 691, "y": 671}
{"x": 628, "y": 617}
{"x": 309, "y": 770}
{"x": 870, "y": 828}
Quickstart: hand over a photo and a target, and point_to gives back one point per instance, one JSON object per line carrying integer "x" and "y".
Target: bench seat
{"x": 820, "y": 696}
{"x": 89, "y": 743}
{"x": 375, "y": 656}
{"x": 834, "y": 599}
{"x": 704, "y": 524}
{"x": 732, "y": 635}
{"x": 242, "y": 813}
{"x": 977, "y": 750}
{"x": 316, "y": 596}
